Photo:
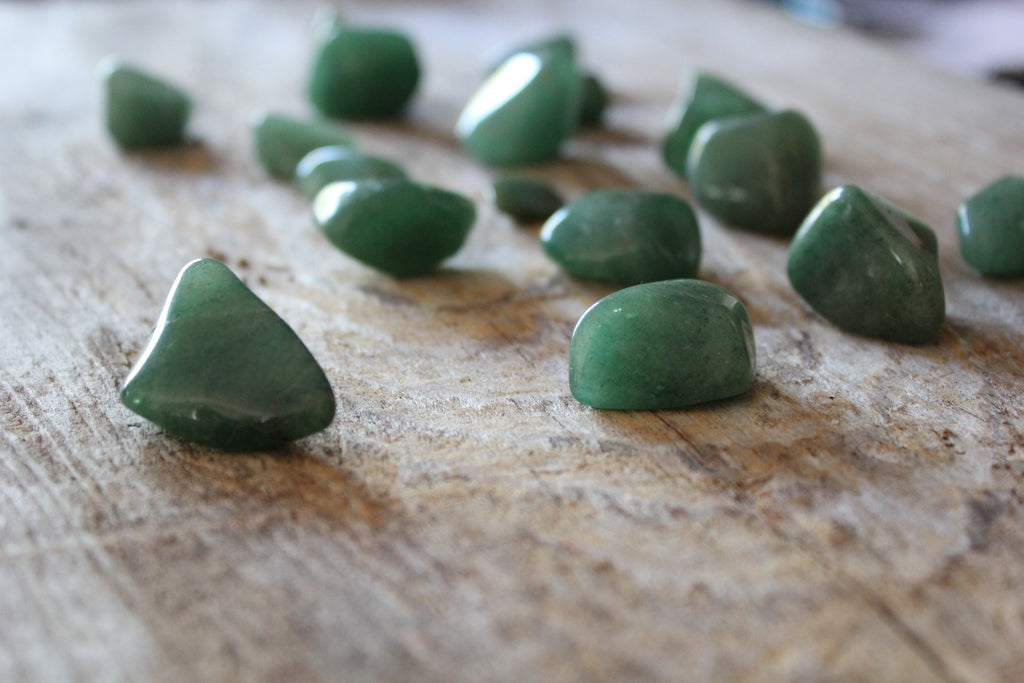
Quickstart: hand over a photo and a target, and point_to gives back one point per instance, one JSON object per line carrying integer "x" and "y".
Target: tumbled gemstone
{"x": 223, "y": 370}
{"x": 142, "y": 110}
{"x": 761, "y": 172}
{"x": 397, "y": 226}
{"x": 282, "y": 141}
{"x": 624, "y": 237}
{"x": 991, "y": 228}
{"x": 709, "y": 98}
{"x": 525, "y": 199}
{"x": 869, "y": 267}
{"x": 594, "y": 100}
{"x": 364, "y": 73}
{"x": 662, "y": 345}
{"x": 562, "y": 45}
{"x": 336, "y": 163}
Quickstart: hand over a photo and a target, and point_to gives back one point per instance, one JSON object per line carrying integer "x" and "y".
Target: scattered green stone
{"x": 326, "y": 165}
{"x": 761, "y": 172}
{"x": 397, "y": 226}
{"x": 709, "y": 98}
{"x": 662, "y": 345}
{"x": 364, "y": 73}
{"x": 142, "y": 110}
{"x": 223, "y": 370}
{"x": 624, "y": 237}
{"x": 595, "y": 100}
{"x": 991, "y": 228}
{"x": 526, "y": 200}
{"x": 869, "y": 268}
{"x": 561, "y": 45}
{"x": 282, "y": 141}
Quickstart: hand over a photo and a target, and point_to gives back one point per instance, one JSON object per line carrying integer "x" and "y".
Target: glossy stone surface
{"x": 761, "y": 172}
{"x": 223, "y": 370}
{"x": 869, "y": 268}
{"x": 624, "y": 237}
{"x": 562, "y": 45}
{"x": 525, "y": 199}
{"x": 364, "y": 73}
{"x": 594, "y": 100}
{"x": 709, "y": 98}
{"x": 142, "y": 110}
{"x": 281, "y": 141}
{"x": 326, "y": 165}
{"x": 397, "y": 226}
{"x": 662, "y": 345}
{"x": 991, "y": 228}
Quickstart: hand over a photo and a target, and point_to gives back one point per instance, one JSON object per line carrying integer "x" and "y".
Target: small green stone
{"x": 662, "y": 345}
{"x": 397, "y": 226}
{"x": 562, "y": 45}
{"x": 595, "y": 100}
{"x": 761, "y": 172}
{"x": 869, "y": 268}
{"x": 326, "y": 165}
{"x": 364, "y": 73}
{"x": 992, "y": 228}
{"x": 526, "y": 200}
{"x": 282, "y": 141}
{"x": 223, "y": 370}
{"x": 624, "y": 237}
{"x": 709, "y": 98}
{"x": 142, "y": 110}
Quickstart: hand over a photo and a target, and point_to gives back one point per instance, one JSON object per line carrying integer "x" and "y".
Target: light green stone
{"x": 223, "y": 370}
{"x": 662, "y": 345}
{"x": 991, "y": 228}
{"x": 281, "y": 141}
{"x": 142, "y": 110}
{"x": 326, "y": 165}
{"x": 525, "y": 199}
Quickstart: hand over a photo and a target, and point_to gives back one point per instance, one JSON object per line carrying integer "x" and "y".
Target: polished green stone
{"x": 397, "y": 226}
{"x": 761, "y": 172}
{"x": 991, "y": 228}
{"x": 624, "y": 237}
{"x": 662, "y": 345}
{"x": 525, "y": 199}
{"x": 708, "y": 98}
{"x": 869, "y": 268}
{"x": 562, "y": 45}
{"x": 364, "y": 73}
{"x": 223, "y": 370}
{"x": 142, "y": 110}
{"x": 282, "y": 141}
{"x": 337, "y": 163}
{"x": 594, "y": 100}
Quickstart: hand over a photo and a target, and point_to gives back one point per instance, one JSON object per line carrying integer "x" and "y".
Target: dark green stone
{"x": 594, "y": 100}
{"x": 397, "y": 226}
{"x": 624, "y": 237}
{"x": 991, "y": 228}
{"x": 662, "y": 345}
{"x": 364, "y": 73}
{"x": 142, "y": 110}
{"x": 223, "y": 370}
{"x": 761, "y": 172}
{"x": 282, "y": 141}
{"x": 525, "y": 199}
{"x": 326, "y": 165}
{"x": 869, "y": 268}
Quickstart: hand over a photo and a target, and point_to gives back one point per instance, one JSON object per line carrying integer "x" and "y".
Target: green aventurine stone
{"x": 624, "y": 237}
{"x": 594, "y": 100}
{"x": 761, "y": 172}
{"x": 282, "y": 141}
{"x": 525, "y": 199}
{"x": 397, "y": 226}
{"x": 141, "y": 110}
{"x": 991, "y": 228}
{"x": 223, "y": 370}
{"x": 869, "y": 268}
{"x": 326, "y": 165}
{"x": 561, "y": 44}
{"x": 364, "y": 73}
{"x": 709, "y": 98}
{"x": 662, "y": 345}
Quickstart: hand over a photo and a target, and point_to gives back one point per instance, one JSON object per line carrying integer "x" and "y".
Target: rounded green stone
{"x": 562, "y": 45}
{"x": 336, "y": 163}
{"x": 281, "y": 141}
{"x": 991, "y": 228}
{"x": 869, "y": 268}
{"x": 761, "y": 172}
{"x": 624, "y": 237}
{"x": 397, "y": 226}
{"x": 662, "y": 345}
{"x": 142, "y": 110}
{"x": 594, "y": 100}
{"x": 525, "y": 199}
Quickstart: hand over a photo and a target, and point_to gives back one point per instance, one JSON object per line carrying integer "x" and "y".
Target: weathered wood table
{"x": 856, "y": 516}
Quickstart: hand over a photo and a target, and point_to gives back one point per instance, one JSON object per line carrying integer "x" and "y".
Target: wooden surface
{"x": 857, "y": 516}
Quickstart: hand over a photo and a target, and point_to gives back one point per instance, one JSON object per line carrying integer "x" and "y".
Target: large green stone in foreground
{"x": 142, "y": 110}
{"x": 869, "y": 268}
{"x": 223, "y": 370}
{"x": 662, "y": 345}
{"x": 337, "y": 163}
{"x": 281, "y": 141}
{"x": 991, "y": 228}
{"x": 624, "y": 237}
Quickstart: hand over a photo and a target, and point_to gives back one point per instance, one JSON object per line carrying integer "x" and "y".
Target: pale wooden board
{"x": 857, "y": 516}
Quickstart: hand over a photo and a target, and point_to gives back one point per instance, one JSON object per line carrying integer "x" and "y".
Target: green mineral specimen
{"x": 525, "y": 199}
{"x": 991, "y": 228}
{"x": 326, "y": 165}
{"x": 142, "y": 110}
{"x": 281, "y": 141}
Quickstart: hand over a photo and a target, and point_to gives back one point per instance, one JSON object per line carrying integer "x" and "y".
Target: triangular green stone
{"x": 223, "y": 370}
